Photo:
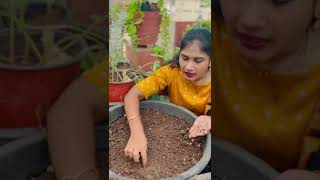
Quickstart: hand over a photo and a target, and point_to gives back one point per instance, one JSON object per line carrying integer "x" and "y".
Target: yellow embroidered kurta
{"x": 272, "y": 116}
{"x": 181, "y": 91}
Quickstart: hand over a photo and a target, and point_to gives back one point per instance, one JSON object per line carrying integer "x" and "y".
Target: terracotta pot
{"x": 180, "y": 28}
{"x": 27, "y": 91}
{"x": 26, "y": 95}
{"x": 141, "y": 57}
{"x": 117, "y": 91}
{"x": 149, "y": 29}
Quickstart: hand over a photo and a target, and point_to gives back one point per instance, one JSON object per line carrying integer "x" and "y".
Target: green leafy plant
{"x": 163, "y": 50}
{"x": 117, "y": 28}
{"x": 165, "y": 33}
{"x": 134, "y": 18}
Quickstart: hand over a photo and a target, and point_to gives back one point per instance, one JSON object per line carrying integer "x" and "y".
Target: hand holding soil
{"x": 200, "y": 127}
{"x": 137, "y": 145}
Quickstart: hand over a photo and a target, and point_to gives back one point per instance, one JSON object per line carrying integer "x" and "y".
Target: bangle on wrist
{"x": 132, "y": 117}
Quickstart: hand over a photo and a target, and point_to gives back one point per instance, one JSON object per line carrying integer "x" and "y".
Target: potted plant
{"x": 160, "y": 53}
{"x": 121, "y": 74}
{"x": 149, "y": 29}
{"x": 143, "y": 23}
{"x": 38, "y": 64}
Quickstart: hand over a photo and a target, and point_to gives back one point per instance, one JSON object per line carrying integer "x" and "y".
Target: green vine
{"x": 163, "y": 50}
{"x": 134, "y": 18}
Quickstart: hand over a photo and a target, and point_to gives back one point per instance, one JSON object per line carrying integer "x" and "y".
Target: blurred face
{"x": 267, "y": 30}
{"x": 194, "y": 63}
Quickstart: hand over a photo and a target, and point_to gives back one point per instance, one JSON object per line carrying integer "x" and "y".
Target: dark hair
{"x": 202, "y": 35}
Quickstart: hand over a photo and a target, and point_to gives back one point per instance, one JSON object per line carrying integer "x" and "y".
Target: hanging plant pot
{"x": 149, "y": 29}
{"x": 142, "y": 57}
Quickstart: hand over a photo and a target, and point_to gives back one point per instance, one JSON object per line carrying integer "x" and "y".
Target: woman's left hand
{"x": 296, "y": 174}
{"x": 200, "y": 127}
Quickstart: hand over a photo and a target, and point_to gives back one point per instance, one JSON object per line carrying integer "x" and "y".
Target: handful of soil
{"x": 170, "y": 151}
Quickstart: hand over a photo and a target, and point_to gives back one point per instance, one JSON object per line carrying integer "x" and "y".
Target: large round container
{"x": 117, "y": 111}
{"x": 233, "y": 163}
{"x": 23, "y": 153}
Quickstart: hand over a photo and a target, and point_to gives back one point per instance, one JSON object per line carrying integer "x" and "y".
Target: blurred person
{"x": 267, "y": 80}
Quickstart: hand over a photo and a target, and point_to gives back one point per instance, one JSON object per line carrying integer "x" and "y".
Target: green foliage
{"x": 155, "y": 66}
{"x": 163, "y": 50}
{"x": 134, "y": 18}
{"x": 120, "y": 25}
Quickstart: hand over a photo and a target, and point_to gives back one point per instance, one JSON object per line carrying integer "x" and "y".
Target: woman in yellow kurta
{"x": 188, "y": 81}
{"x": 267, "y": 80}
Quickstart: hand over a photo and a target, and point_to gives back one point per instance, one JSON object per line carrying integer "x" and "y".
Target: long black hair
{"x": 201, "y": 35}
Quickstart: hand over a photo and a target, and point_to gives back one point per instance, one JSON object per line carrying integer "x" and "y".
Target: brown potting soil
{"x": 170, "y": 151}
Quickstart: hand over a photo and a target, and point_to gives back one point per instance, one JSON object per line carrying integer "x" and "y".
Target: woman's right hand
{"x": 136, "y": 146}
